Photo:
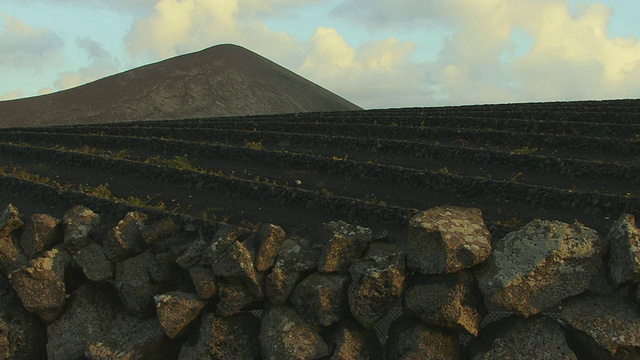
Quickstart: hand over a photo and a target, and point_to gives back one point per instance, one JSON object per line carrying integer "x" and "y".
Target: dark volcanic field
{"x": 560, "y": 161}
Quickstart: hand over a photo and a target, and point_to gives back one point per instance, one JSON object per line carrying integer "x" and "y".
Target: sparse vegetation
{"x": 525, "y": 150}
{"x": 255, "y": 145}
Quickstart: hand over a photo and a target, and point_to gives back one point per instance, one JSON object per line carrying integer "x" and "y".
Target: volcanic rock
{"x": 192, "y": 255}
{"x": 236, "y": 265}
{"x": 538, "y": 266}
{"x": 270, "y": 237}
{"x": 232, "y": 298}
{"x": 297, "y": 255}
{"x": 285, "y": 335}
{"x": 40, "y": 285}
{"x": 351, "y": 341}
{"x": 536, "y": 337}
{"x": 134, "y": 285}
{"x": 9, "y": 220}
{"x": 451, "y": 301}
{"x": 159, "y": 230}
{"x": 204, "y": 281}
{"x": 79, "y": 223}
{"x": 164, "y": 267}
{"x": 343, "y": 244}
{"x": 447, "y": 239}
{"x": 88, "y": 317}
{"x": 377, "y": 285}
{"x": 125, "y": 239}
{"x": 176, "y": 310}
{"x": 234, "y": 337}
{"x": 94, "y": 263}
{"x": 411, "y": 339}
{"x": 22, "y": 334}
{"x": 41, "y": 232}
{"x": 11, "y": 256}
{"x": 624, "y": 251}
{"x": 605, "y": 326}
{"x": 321, "y": 299}
{"x": 133, "y": 338}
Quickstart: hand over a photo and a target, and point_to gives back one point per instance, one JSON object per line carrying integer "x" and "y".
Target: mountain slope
{"x": 223, "y": 80}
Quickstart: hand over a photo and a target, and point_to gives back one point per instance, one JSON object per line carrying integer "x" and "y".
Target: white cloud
{"x": 101, "y": 64}
{"x": 178, "y": 27}
{"x": 25, "y": 47}
{"x": 571, "y": 56}
{"x": 46, "y": 90}
{"x": 376, "y": 73}
{"x": 15, "y": 94}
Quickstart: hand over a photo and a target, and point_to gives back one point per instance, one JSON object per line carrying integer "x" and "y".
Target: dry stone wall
{"x": 79, "y": 287}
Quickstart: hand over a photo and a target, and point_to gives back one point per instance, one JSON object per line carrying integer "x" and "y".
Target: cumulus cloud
{"x": 25, "y": 47}
{"x": 101, "y": 64}
{"x": 571, "y": 56}
{"x": 177, "y": 27}
{"x": 46, "y": 90}
{"x": 375, "y": 73}
{"x": 15, "y": 94}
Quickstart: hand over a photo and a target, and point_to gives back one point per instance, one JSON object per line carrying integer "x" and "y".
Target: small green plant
{"x": 255, "y": 145}
{"x": 443, "y": 170}
{"x": 101, "y": 191}
{"x": 178, "y": 162}
{"x": 339, "y": 158}
{"x": 525, "y": 150}
{"x": 122, "y": 154}
{"x": 326, "y": 192}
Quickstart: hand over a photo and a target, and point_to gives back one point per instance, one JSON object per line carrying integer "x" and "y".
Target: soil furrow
{"x": 589, "y": 205}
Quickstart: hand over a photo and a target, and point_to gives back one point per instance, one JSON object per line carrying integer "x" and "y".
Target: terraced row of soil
{"x": 565, "y": 161}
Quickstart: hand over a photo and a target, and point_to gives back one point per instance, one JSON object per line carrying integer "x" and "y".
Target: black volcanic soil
{"x": 223, "y": 80}
{"x": 596, "y": 180}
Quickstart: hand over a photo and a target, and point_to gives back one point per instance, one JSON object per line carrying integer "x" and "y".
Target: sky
{"x": 375, "y": 53}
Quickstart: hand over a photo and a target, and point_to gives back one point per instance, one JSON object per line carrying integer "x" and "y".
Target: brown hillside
{"x": 223, "y": 80}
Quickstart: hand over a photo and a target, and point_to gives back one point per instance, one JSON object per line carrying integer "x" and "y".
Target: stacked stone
{"x": 135, "y": 290}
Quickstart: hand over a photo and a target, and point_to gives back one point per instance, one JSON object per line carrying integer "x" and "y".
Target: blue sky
{"x": 376, "y": 53}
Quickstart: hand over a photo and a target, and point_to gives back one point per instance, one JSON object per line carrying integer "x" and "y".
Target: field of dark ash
{"x": 560, "y": 161}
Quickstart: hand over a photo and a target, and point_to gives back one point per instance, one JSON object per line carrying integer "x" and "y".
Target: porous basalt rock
{"x": 94, "y": 263}
{"x": 605, "y": 326}
{"x": 11, "y": 255}
{"x": 297, "y": 255}
{"x": 22, "y": 335}
{"x": 125, "y": 239}
{"x": 285, "y": 335}
{"x": 234, "y": 337}
{"x": 377, "y": 285}
{"x": 41, "y": 232}
{"x": 224, "y": 237}
{"x": 452, "y": 301}
{"x": 270, "y": 237}
{"x": 412, "y": 339}
{"x": 40, "y": 285}
{"x": 88, "y": 317}
{"x": 536, "y": 337}
{"x": 351, "y": 341}
{"x": 232, "y": 298}
{"x": 79, "y": 223}
{"x": 159, "y": 230}
{"x": 9, "y": 220}
{"x": 133, "y": 338}
{"x": 321, "y": 299}
{"x": 176, "y": 310}
{"x": 204, "y": 280}
{"x": 236, "y": 265}
{"x": 536, "y": 267}
{"x": 447, "y": 239}
{"x": 134, "y": 285}
{"x": 343, "y": 244}
{"x": 624, "y": 251}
